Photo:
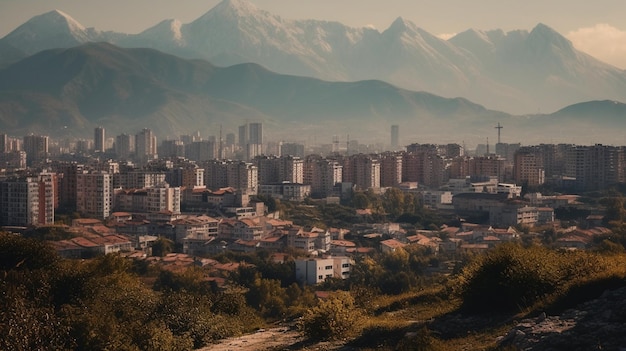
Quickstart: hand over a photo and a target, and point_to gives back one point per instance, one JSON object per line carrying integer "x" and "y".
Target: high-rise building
{"x": 124, "y": 146}
{"x": 230, "y": 139}
{"x": 28, "y": 201}
{"x": 395, "y": 136}
{"x": 243, "y": 176}
{"x": 251, "y": 140}
{"x": 36, "y": 148}
{"x": 255, "y": 133}
{"x": 390, "y": 169}
{"x": 99, "y": 140}
{"x": 93, "y": 194}
{"x": 201, "y": 150}
{"x": 595, "y": 167}
{"x": 293, "y": 149}
{"x": 145, "y": 145}
{"x": 163, "y": 198}
{"x": 243, "y": 136}
{"x": 362, "y": 170}
{"x": 172, "y": 148}
{"x": 322, "y": 174}
{"x": 4, "y": 143}
{"x": 528, "y": 167}
{"x": 240, "y": 175}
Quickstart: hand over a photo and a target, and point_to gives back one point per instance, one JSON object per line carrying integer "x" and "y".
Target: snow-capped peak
{"x": 50, "y": 30}
{"x": 73, "y": 24}
{"x": 232, "y": 9}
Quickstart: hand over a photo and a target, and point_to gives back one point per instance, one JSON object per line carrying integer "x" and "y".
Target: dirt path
{"x": 264, "y": 339}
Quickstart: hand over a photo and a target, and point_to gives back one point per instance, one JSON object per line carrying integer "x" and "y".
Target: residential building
{"x": 286, "y": 191}
{"x": 99, "y": 139}
{"x": 322, "y": 174}
{"x": 124, "y": 146}
{"x": 528, "y": 167}
{"x": 94, "y": 194}
{"x": 292, "y": 149}
{"x": 36, "y": 148}
{"x": 28, "y": 200}
{"x": 145, "y": 146}
{"x": 390, "y": 169}
{"x": 313, "y": 271}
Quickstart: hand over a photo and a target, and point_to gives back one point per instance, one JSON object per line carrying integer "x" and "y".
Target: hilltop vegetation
{"x": 389, "y": 303}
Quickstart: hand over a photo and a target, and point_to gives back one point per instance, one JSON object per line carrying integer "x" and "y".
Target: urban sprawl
{"x": 206, "y": 195}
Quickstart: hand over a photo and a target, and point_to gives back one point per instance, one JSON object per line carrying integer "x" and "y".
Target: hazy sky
{"x": 596, "y": 27}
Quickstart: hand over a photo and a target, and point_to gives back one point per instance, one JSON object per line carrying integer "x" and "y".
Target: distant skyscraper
{"x": 251, "y": 139}
{"x": 243, "y": 136}
{"x": 36, "y": 147}
{"x": 256, "y": 133}
{"x": 145, "y": 145}
{"x": 4, "y": 143}
{"x": 230, "y": 139}
{"x": 123, "y": 146}
{"x": 395, "y": 136}
{"x": 99, "y": 139}
{"x": 293, "y": 149}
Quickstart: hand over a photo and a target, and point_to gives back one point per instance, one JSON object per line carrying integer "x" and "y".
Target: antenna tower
{"x": 499, "y": 128}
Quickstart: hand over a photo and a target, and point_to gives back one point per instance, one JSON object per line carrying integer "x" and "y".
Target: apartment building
{"x": 94, "y": 194}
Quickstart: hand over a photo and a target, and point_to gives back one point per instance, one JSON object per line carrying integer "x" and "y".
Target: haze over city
{"x": 268, "y": 174}
{"x": 596, "y": 28}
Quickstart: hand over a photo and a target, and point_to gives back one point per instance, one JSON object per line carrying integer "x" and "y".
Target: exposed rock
{"x": 595, "y": 325}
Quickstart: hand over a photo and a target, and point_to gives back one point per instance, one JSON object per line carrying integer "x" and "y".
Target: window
{"x": 328, "y": 267}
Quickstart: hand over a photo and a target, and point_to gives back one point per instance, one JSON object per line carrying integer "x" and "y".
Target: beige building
{"x": 94, "y": 194}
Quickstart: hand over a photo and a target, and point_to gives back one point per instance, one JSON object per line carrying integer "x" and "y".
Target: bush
{"x": 332, "y": 319}
{"x": 511, "y": 278}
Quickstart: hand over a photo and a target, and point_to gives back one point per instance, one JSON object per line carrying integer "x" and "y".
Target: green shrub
{"x": 512, "y": 278}
{"x": 332, "y": 319}
{"x": 509, "y": 278}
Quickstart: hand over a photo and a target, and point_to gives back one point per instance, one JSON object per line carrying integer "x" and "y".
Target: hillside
{"x": 62, "y": 91}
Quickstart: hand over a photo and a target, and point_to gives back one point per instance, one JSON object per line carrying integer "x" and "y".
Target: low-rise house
{"x": 274, "y": 242}
{"x": 391, "y": 245}
{"x": 247, "y": 229}
{"x": 573, "y": 241}
{"x": 82, "y": 247}
{"x": 286, "y": 191}
{"x": 341, "y": 247}
{"x": 245, "y": 245}
{"x": 313, "y": 271}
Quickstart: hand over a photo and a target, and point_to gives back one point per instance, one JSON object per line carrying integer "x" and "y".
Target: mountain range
{"x": 67, "y": 92}
{"x": 519, "y": 72}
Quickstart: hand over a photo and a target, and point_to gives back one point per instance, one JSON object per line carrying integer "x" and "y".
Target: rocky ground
{"x": 599, "y": 324}
{"x": 264, "y": 339}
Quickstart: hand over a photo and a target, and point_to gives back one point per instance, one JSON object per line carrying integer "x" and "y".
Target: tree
{"x": 360, "y": 200}
{"x": 25, "y": 254}
{"x": 162, "y": 247}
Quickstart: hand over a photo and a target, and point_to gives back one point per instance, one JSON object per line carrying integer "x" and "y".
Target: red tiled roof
{"x": 393, "y": 243}
{"x": 343, "y": 243}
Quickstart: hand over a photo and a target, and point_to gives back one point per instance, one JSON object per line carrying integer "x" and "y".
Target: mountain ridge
{"x": 127, "y": 89}
{"x": 523, "y": 71}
